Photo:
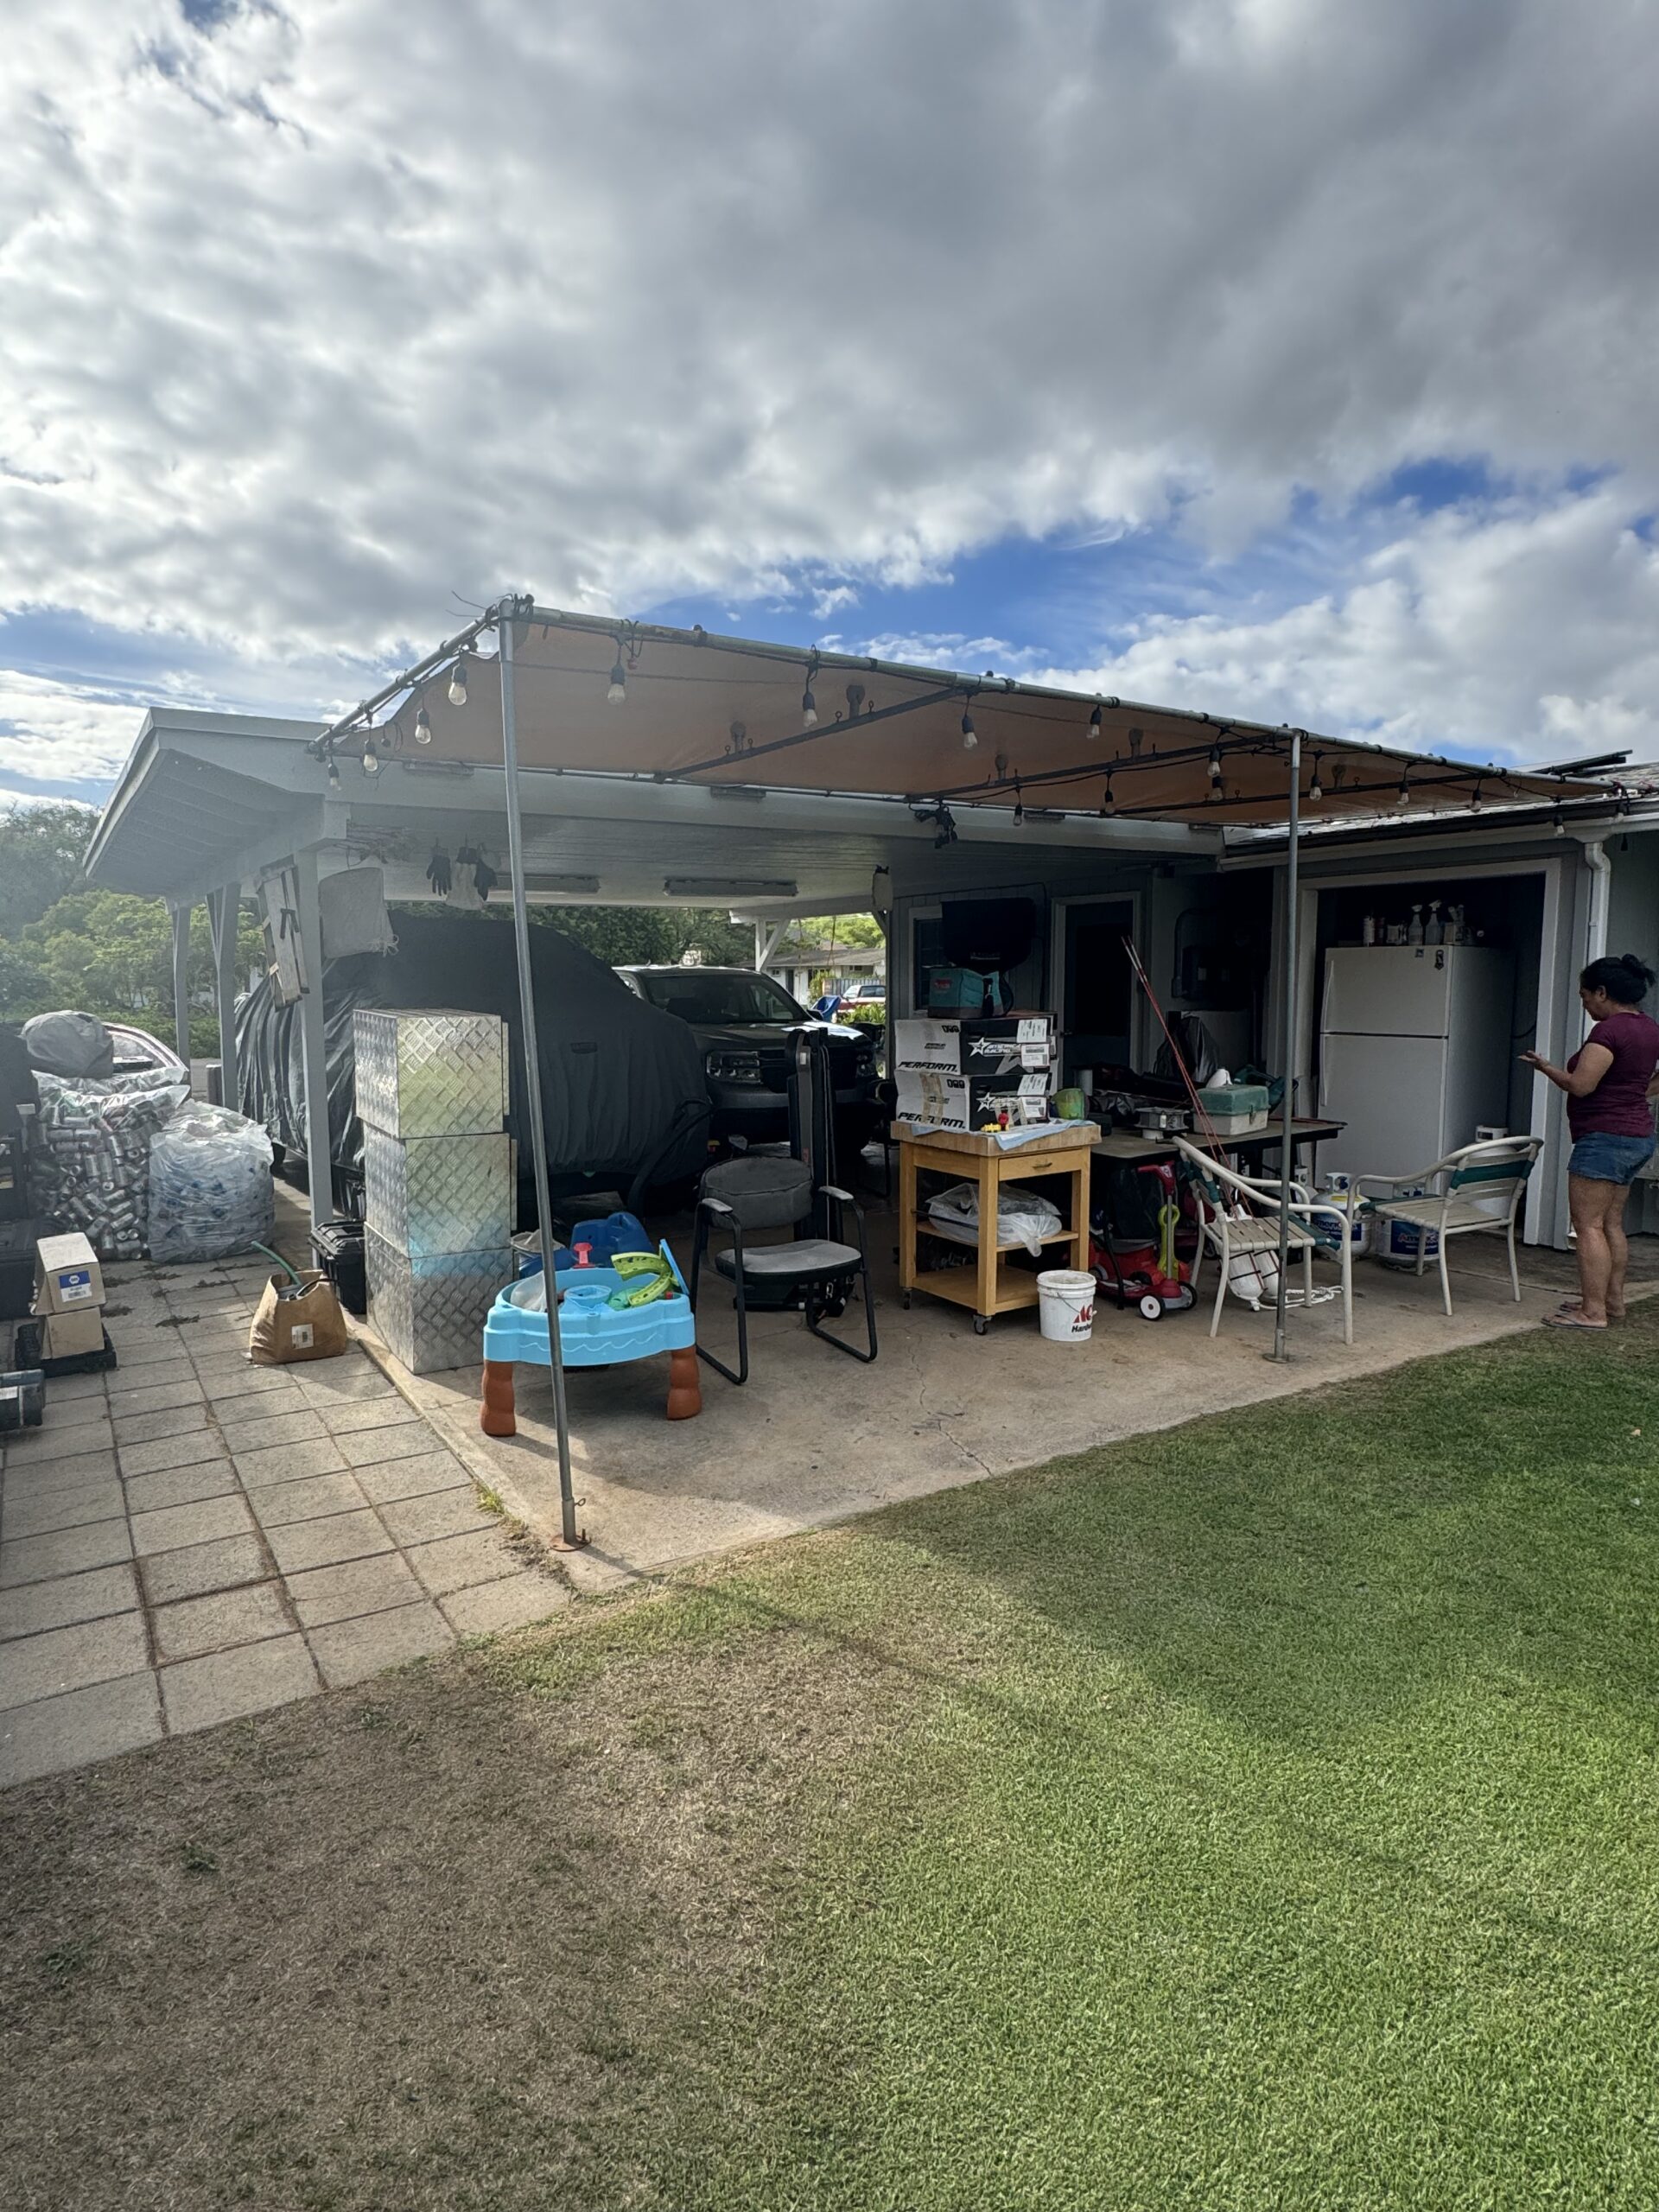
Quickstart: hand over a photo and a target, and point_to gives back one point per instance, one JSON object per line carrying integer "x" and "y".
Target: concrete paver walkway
{"x": 190, "y": 1539}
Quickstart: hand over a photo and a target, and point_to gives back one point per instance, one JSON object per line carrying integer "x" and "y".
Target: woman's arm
{"x": 1594, "y": 1060}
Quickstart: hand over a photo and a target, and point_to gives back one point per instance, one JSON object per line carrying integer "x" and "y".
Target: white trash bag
{"x": 1022, "y": 1215}
{"x": 210, "y": 1189}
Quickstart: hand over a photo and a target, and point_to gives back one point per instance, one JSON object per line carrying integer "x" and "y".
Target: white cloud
{"x": 318, "y": 316}
{"x": 1531, "y": 634}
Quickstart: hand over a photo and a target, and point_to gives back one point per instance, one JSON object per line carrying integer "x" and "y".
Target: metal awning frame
{"x": 1213, "y": 739}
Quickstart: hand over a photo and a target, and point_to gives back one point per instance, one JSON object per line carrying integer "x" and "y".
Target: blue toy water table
{"x": 592, "y": 1332}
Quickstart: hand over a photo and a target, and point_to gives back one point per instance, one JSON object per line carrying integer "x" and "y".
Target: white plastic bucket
{"x": 1065, "y": 1305}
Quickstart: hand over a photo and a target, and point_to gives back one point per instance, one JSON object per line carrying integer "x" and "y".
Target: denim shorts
{"x": 1610, "y": 1159}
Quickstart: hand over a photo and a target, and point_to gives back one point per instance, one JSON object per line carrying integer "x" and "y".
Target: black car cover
{"x": 616, "y": 1073}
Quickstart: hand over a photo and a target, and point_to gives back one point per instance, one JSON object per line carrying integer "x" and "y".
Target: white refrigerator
{"x": 1415, "y": 1052}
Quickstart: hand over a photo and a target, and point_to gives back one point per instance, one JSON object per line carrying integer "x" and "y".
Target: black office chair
{"x": 750, "y": 1193}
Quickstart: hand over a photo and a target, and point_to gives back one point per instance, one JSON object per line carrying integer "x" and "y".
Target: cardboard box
{"x": 980, "y": 1044}
{"x": 936, "y": 1100}
{"x": 66, "y": 1336}
{"x": 67, "y": 1278}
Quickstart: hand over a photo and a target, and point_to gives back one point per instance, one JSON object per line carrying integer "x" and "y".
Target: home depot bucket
{"x": 1065, "y": 1305}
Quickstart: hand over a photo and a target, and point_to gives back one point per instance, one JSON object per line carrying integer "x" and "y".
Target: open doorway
{"x": 1099, "y": 1003}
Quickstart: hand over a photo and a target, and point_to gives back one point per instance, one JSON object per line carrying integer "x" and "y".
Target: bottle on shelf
{"x": 1414, "y": 926}
{"x": 1368, "y": 930}
{"x": 1434, "y": 928}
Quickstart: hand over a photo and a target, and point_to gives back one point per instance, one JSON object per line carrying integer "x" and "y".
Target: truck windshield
{"x": 703, "y": 995}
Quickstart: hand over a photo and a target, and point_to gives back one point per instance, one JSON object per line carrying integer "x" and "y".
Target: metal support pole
{"x": 181, "y": 981}
{"x": 223, "y": 907}
{"x": 319, "y": 1142}
{"x": 570, "y": 1534}
{"x": 1287, "y": 1153}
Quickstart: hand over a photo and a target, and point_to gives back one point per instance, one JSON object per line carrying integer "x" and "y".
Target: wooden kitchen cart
{"x": 990, "y": 1286}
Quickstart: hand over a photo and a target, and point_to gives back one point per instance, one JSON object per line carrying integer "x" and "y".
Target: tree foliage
{"x": 41, "y": 852}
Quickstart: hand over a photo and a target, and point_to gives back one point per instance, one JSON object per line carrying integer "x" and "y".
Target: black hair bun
{"x": 1637, "y": 968}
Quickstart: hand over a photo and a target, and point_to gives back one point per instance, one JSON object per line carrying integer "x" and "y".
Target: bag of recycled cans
{"x": 210, "y": 1190}
{"x": 92, "y": 1169}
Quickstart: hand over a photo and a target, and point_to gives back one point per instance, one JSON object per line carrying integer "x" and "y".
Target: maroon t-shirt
{"x": 1618, "y": 1106}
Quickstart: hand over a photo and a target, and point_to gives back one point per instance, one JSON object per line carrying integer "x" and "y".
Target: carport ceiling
{"x": 683, "y": 706}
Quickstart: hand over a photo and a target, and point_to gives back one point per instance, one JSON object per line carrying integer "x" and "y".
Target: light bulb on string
{"x": 1402, "y": 796}
{"x": 422, "y": 727}
{"x": 1560, "y": 822}
{"x": 1474, "y": 798}
{"x": 371, "y": 758}
{"x": 969, "y": 734}
{"x": 458, "y": 681}
{"x": 1214, "y": 765}
{"x": 1094, "y": 723}
{"x": 809, "y": 710}
{"x": 1019, "y": 809}
{"x": 1315, "y": 789}
{"x": 333, "y": 773}
{"x": 1108, "y": 799}
{"x": 617, "y": 695}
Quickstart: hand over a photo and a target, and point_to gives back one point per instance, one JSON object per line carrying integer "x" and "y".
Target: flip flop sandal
{"x": 1576, "y": 1306}
{"x": 1568, "y": 1319}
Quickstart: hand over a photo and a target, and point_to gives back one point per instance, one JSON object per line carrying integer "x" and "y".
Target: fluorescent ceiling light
{"x": 575, "y": 887}
{"x": 727, "y": 886}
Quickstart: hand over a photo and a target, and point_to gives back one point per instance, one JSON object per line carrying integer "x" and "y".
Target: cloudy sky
{"x": 1278, "y": 356}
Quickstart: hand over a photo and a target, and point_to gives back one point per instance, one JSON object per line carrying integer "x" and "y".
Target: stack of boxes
{"x": 437, "y": 1178}
{"x": 68, "y": 1297}
{"x": 974, "y": 1072}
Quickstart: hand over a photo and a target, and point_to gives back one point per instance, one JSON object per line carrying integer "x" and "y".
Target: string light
{"x": 458, "y": 681}
{"x": 1402, "y": 796}
{"x": 1094, "y": 723}
{"x": 1214, "y": 765}
{"x": 1474, "y": 798}
{"x": 809, "y": 710}
{"x": 371, "y": 758}
{"x": 1018, "y": 808}
{"x": 422, "y": 727}
{"x": 969, "y": 734}
{"x": 334, "y": 773}
{"x": 1108, "y": 800}
{"x": 1561, "y": 821}
{"x": 1316, "y": 788}
{"x": 617, "y": 693}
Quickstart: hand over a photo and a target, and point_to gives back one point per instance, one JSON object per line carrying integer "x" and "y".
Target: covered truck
{"x": 623, "y": 1091}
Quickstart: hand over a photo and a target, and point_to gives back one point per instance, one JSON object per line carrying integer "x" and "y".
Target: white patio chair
{"x": 1252, "y": 1236}
{"x": 1477, "y": 1190}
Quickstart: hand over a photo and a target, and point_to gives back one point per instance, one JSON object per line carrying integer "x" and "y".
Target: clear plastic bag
{"x": 210, "y": 1190}
{"x": 1023, "y": 1216}
{"x": 93, "y": 1168}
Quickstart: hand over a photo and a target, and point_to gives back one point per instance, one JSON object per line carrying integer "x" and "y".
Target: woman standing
{"x": 1607, "y": 1082}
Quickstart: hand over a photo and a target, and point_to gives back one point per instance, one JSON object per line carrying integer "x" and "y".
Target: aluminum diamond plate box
{"x": 438, "y": 1194}
{"x": 429, "y": 1312}
{"x": 431, "y": 1073}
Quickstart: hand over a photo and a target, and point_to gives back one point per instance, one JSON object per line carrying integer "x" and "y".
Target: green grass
{"x": 1263, "y": 1817}
{"x": 1272, "y": 1822}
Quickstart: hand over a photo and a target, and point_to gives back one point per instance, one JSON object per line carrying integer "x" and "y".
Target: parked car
{"x": 873, "y": 992}
{"x": 741, "y": 1020}
{"x": 136, "y": 1051}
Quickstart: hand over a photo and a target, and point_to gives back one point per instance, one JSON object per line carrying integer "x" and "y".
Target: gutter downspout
{"x": 1601, "y": 879}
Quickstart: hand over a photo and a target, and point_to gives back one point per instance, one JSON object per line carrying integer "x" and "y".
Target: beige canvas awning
{"x": 713, "y": 710}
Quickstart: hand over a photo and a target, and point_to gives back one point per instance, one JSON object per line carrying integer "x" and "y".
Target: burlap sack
{"x": 307, "y": 1325}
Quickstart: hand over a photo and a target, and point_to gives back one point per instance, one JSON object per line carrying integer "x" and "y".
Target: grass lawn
{"x": 1259, "y": 1814}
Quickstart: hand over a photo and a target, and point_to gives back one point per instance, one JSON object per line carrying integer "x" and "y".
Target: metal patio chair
{"x": 1476, "y": 1190}
{"x": 754, "y": 1192}
{"x": 1239, "y": 1222}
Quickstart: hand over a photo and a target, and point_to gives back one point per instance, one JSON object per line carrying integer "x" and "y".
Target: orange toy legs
{"x": 495, "y": 1415}
{"x": 684, "y": 1390}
